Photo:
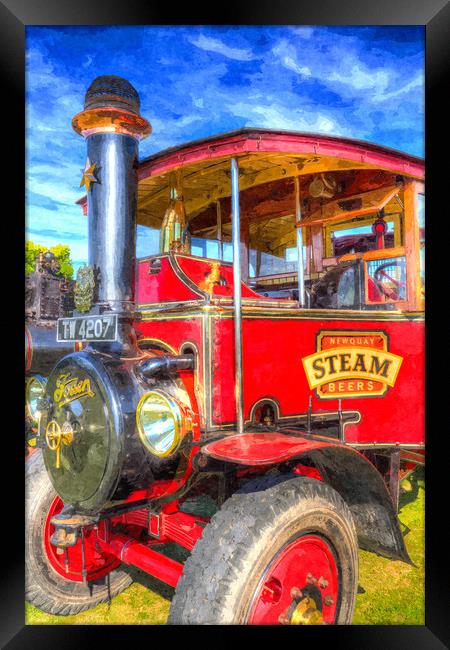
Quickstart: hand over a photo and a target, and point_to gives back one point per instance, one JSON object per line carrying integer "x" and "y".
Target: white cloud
{"x": 287, "y": 56}
{"x": 304, "y": 31}
{"x": 64, "y": 192}
{"x": 359, "y": 76}
{"x": 188, "y": 119}
{"x": 292, "y": 65}
{"x": 282, "y": 117}
{"x": 215, "y": 45}
{"x": 416, "y": 82}
{"x": 340, "y": 65}
{"x": 325, "y": 125}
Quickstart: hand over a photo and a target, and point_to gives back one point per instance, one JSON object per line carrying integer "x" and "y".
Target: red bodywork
{"x": 180, "y": 310}
{"x": 276, "y": 337}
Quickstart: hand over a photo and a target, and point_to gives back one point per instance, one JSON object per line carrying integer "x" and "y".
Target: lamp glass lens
{"x": 35, "y": 391}
{"x": 158, "y": 421}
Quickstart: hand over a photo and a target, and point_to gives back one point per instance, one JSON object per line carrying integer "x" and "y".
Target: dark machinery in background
{"x": 48, "y": 296}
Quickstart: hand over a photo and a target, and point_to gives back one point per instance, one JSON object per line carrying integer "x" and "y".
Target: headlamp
{"x": 34, "y": 390}
{"x": 161, "y": 422}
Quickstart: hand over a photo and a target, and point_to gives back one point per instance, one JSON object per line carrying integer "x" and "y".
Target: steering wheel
{"x": 393, "y": 293}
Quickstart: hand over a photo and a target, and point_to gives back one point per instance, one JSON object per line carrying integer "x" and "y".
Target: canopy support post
{"x": 300, "y": 261}
{"x": 236, "y": 236}
{"x": 219, "y": 229}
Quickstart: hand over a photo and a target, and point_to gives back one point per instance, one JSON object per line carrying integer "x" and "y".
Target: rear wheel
{"x": 279, "y": 551}
{"x": 53, "y": 579}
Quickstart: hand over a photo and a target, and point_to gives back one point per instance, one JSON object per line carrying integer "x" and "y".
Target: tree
{"x": 61, "y": 251}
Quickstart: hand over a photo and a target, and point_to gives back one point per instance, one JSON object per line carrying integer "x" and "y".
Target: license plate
{"x": 87, "y": 328}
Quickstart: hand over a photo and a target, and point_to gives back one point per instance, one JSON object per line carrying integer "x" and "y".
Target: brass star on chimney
{"x": 88, "y": 175}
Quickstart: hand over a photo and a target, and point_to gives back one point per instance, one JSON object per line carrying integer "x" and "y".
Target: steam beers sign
{"x": 351, "y": 364}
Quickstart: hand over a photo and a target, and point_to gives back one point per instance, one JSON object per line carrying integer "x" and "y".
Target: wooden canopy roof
{"x": 268, "y": 161}
{"x": 264, "y": 156}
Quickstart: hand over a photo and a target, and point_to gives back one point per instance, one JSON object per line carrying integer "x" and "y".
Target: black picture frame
{"x": 15, "y": 15}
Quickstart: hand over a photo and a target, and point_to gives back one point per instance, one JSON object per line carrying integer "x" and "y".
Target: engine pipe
{"x": 166, "y": 364}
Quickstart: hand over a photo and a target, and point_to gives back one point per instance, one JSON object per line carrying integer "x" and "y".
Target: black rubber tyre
{"x": 221, "y": 575}
{"x": 44, "y": 587}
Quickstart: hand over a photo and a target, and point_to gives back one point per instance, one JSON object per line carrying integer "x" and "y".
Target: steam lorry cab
{"x": 265, "y": 359}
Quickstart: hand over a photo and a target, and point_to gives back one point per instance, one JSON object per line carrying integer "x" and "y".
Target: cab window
{"x": 360, "y": 236}
{"x": 272, "y": 247}
{"x": 211, "y": 249}
{"x": 386, "y": 280}
{"x": 147, "y": 241}
{"x": 359, "y": 240}
{"x": 347, "y": 288}
{"x": 374, "y": 246}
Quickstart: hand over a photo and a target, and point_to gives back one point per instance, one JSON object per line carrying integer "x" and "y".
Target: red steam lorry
{"x": 269, "y": 362}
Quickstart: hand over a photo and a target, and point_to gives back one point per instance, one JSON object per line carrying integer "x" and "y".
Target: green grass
{"x": 394, "y": 592}
{"x": 389, "y": 593}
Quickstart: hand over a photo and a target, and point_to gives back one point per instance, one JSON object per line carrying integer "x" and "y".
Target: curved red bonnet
{"x": 197, "y": 269}
{"x": 166, "y": 285}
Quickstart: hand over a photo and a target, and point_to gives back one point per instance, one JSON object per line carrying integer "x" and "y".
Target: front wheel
{"x": 277, "y": 552}
{"x": 53, "y": 577}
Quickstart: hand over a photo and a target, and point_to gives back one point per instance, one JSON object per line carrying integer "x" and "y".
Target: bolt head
{"x": 202, "y": 460}
{"x": 328, "y": 600}
{"x": 323, "y": 584}
{"x": 283, "y": 619}
{"x": 296, "y": 593}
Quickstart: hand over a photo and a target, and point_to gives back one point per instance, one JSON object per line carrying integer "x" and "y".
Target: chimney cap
{"x": 110, "y": 90}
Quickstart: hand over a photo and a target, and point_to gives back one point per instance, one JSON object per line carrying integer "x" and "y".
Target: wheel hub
{"x": 306, "y": 613}
{"x": 306, "y": 606}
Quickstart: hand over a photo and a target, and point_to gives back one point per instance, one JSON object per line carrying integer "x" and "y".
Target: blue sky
{"x": 359, "y": 82}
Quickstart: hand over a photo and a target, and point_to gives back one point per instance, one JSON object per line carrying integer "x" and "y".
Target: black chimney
{"x": 112, "y": 127}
